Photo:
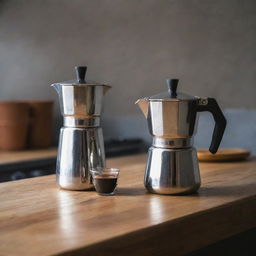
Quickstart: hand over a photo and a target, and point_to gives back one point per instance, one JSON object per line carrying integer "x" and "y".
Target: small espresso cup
{"x": 105, "y": 180}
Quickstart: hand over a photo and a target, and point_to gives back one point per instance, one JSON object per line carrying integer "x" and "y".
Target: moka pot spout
{"x": 57, "y": 87}
{"x": 143, "y": 104}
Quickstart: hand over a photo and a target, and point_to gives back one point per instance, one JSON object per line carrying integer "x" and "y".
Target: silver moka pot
{"x": 172, "y": 165}
{"x": 81, "y": 145}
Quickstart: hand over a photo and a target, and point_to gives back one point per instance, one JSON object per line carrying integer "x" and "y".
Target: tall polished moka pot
{"x": 172, "y": 164}
{"x": 81, "y": 145}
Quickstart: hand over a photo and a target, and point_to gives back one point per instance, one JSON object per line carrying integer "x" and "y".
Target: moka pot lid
{"x": 171, "y": 94}
{"x": 80, "y": 81}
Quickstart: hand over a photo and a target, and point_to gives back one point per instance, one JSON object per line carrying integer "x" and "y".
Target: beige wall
{"x": 131, "y": 44}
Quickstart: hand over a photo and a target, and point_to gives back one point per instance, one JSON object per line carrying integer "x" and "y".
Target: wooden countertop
{"x": 37, "y": 218}
{"x": 11, "y": 157}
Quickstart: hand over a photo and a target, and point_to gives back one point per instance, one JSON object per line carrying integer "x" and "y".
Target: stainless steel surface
{"x": 172, "y": 165}
{"x": 70, "y": 121}
{"x": 172, "y": 143}
{"x": 80, "y": 150}
{"x": 172, "y": 171}
{"x": 81, "y": 144}
{"x": 165, "y": 96}
{"x": 80, "y": 101}
{"x": 169, "y": 119}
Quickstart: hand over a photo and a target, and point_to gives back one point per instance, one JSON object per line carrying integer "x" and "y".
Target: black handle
{"x": 80, "y": 74}
{"x": 211, "y": 105}
{"x": 172, "y": 87}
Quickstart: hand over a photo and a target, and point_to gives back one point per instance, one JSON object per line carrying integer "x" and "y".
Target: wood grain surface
{"x": 37, "y": 218}
{"x": 8, "y": 157}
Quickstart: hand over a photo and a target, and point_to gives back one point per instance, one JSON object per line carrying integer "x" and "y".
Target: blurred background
{"x": 134, "y": 46}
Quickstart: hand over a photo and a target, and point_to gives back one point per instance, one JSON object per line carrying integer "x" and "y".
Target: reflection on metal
{"x": 80, "y": 101}
{"x": 80, "y": 150}
{"x": 172, "y": 165}
{"x": 81, "y": 146}
{"x": 169, "y": 119}
{"x": 172, "y": 171}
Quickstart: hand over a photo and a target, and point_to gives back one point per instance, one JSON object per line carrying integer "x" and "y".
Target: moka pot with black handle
{"x": 172, "y": 164}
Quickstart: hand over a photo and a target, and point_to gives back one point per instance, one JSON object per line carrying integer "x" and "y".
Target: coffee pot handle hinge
{"x": 211, "y": 105}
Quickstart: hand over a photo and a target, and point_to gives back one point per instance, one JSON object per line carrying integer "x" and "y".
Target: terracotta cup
{"x": 40, "y": 128}
{"x": 14, "y": 121}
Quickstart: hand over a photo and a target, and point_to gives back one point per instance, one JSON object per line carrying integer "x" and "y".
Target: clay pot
{"x": 14, "y": 121}
{"x": 40, "y": 128}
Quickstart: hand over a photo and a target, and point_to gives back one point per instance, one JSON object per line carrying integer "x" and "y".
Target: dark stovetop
{"x": 27, "y": 169}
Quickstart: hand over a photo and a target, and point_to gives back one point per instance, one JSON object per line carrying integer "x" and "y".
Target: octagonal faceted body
{"x": 171, "y": 119}
{"x": 80, "y": 100}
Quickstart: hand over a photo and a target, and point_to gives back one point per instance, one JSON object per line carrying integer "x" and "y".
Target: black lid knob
{"x": 172, "y": 87}
{"x": 80, "y": 74}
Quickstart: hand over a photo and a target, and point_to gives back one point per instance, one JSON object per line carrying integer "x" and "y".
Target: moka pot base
{"x": 172, "y": 171}
{"x": 80, "y": 150}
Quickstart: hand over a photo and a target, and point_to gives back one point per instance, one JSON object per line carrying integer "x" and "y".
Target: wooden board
{"x": 223, "y": 155}
{"x": 37, "y": 218}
